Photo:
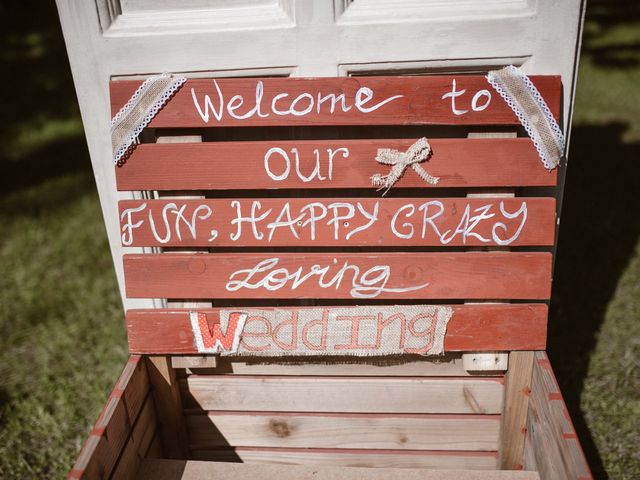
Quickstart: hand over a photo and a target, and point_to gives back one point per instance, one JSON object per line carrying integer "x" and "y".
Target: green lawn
{"x": 62, "y": 338}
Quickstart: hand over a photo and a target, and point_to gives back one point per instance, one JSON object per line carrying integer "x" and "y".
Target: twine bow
{"x": 399, "y": 161}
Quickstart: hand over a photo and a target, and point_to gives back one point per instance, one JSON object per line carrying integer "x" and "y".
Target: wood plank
{"x": 214, "y": 165}
{"x": 134, "y": 385}
{"x": 407, "y": 100}
{"x": 168, "y": 404}
{"x": 369, "y": 431}
{"x": 514, "y": 419}
{"x": 551, "y": 446}
{"x": 153, "y": 469}
{"x": 189, "y": 362}
{"x": 139, "y": 442}
{"x": 386, "y": 276}
{"x": 113, "y": 427}
{"x": 353, "y": 458}
{"x": 472, "y": 328}
{"x": 155, "y": 449}
{"x": 410, "y": 365}
{"x": 345, "y": 394}
{"x": 398, "y": 222}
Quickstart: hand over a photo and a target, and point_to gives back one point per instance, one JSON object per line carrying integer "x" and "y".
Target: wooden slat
{"x": 514, "y": 419}
{"x": 422, "y": 101}
{"x": 113, "y": 427}
{"x": 410, "y": 275}
{"x": 551, "y": 444}
{"x": 371, "y": 431}
{"x": 139, "y": 442}
{"x": 345, "y": 394}
{"x": 168, "y": 403}
{"x": 155, "y": 449}
{"x": 214, "y": 165}
{"x": 353, "y": 458}
{"x": 445, "y": 366}
{"x": 472, "y": 328}
{"x": 199, "y": 361}
{"x": 398, "y": 222}
{"x": 153, "y": 469}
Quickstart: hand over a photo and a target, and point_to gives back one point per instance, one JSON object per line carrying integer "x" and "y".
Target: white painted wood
{"x": 483, "y": 362}
{"x": 120, "y": 38}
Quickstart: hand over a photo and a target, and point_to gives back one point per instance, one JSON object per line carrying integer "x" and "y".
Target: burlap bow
{"x": 416, "y": 153}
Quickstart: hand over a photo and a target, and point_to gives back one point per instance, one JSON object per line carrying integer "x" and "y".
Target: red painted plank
{"x": 472, "y": 328}
{"x": 398, "y": 222}
{"x": 467, "y": 275}
{"x": 481, "y": 162}
{"x": 367, "y": 101}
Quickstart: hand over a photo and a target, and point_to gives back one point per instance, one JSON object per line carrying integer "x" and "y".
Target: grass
{"x": 62, "y": 338}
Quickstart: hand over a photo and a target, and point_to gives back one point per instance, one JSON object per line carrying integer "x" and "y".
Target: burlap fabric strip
{"x": 532, "y": 111}
{"x": 136, "y": 114}
{"x": 372, "y": 330}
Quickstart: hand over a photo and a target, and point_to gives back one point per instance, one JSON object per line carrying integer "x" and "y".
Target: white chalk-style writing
{"x": 247, "y": 220}
{"x": 349, "y": 218}
{"x": 200, "y": 213}
{"x": 480, "y": 101}
{"x": 277, "y": 164}
{"x": 313, "y": 216}
{"x": 469, "y": 221}
{"x": 285, "y": 104}
{"x": 365, "y": 283}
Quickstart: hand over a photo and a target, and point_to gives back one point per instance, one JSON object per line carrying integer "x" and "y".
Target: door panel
{"x": 135, "y": 38}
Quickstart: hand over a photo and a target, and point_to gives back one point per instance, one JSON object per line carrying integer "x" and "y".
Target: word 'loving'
{"x": 365, "y": 282}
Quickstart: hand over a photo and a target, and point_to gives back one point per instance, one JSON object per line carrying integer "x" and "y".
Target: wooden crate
{"x": 489, "y": 408}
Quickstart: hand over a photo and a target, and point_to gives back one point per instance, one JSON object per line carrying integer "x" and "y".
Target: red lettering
{"x": 355, "y": 331}
{"x": 426, "y": 333}
{"x": 293, "y": 321}
{"x": 322, "y": 345}
{"x": 384, "y": 324}
{"x": 212, "y": 335}
{"x": 252, "y": 334}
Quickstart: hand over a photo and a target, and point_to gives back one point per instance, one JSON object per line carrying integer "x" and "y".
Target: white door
{"x": 122, "y": 38}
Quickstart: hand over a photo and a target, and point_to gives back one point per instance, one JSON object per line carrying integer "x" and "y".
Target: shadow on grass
{"x": 55, "y": 159}
{"x": 41, "y": 94}
{"x": 598, "y": 234}
{"x": 32, "y": 49}
{"x": 603, "y": 17}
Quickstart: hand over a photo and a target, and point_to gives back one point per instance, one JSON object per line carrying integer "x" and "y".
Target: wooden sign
{"x": 305, "y": 233}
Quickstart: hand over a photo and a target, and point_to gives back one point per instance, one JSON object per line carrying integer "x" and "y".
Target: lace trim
{"x": 549, "y": 160}
{"x": 125, "y": 144}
